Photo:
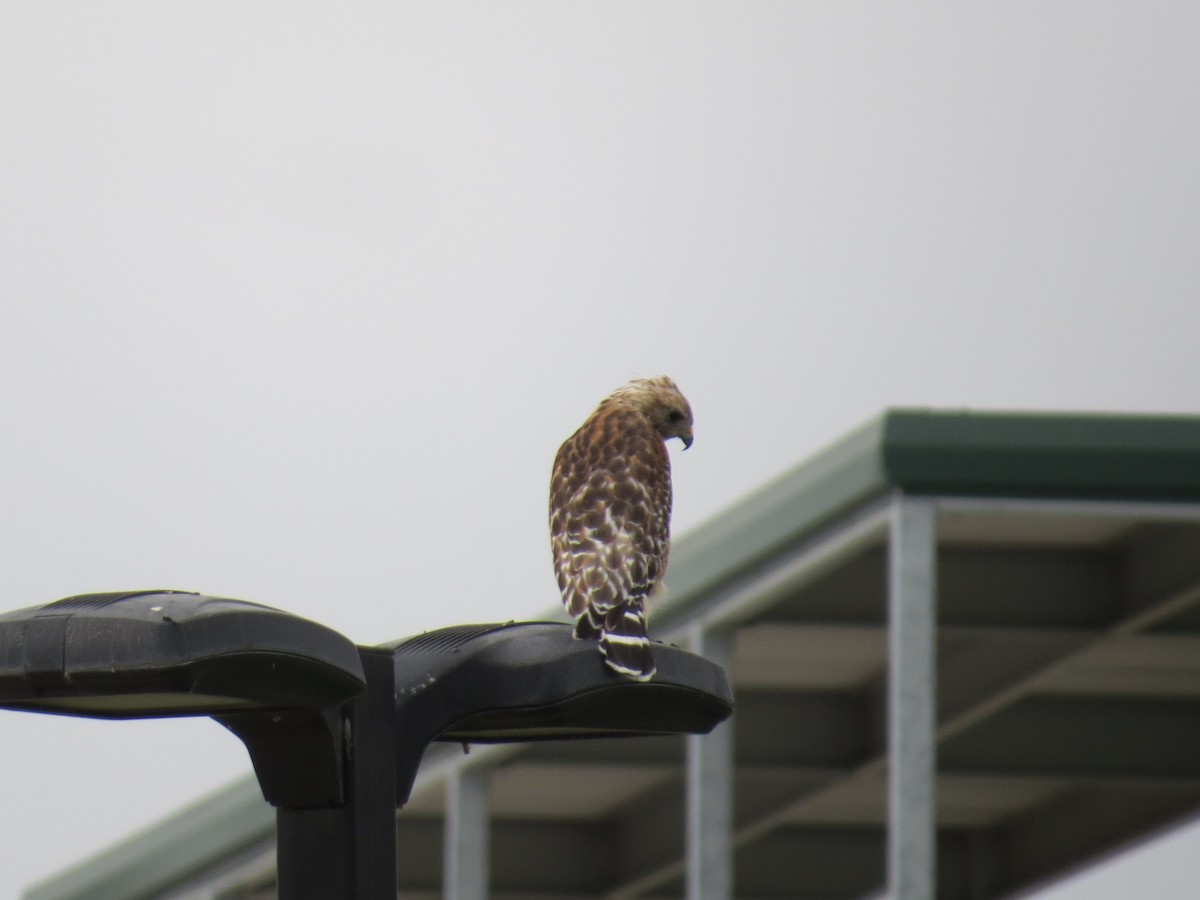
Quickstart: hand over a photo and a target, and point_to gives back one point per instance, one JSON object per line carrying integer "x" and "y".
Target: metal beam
{"x": 465, "y": 849}
{"x": 912, "y": 650}
{"x": 1129, "y": 510}
{"x": 710, "y": 790}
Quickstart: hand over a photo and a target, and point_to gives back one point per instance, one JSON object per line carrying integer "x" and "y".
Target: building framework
{"x": 1002, "y": 611}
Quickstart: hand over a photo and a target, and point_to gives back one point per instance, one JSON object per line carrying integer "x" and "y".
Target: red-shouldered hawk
{"x": 610, "y": 512}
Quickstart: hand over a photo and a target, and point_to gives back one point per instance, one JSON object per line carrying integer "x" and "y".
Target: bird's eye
{"x": 676, "y": 416}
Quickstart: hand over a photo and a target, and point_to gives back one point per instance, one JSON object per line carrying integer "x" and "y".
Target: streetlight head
{"x": 533, "y": 681}
{"x": 142, "y": 654}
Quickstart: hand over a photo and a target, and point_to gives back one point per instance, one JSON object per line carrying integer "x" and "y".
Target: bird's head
{"x": 660, "y": 401}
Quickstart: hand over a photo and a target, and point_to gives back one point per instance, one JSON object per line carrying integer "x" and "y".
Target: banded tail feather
{"x": 624, "y": 643}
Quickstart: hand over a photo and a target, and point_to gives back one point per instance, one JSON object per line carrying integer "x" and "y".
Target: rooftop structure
{"x": 1001, "y": 610}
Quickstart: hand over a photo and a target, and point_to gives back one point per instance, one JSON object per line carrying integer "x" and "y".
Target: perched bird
{"x": 610, "y": 512}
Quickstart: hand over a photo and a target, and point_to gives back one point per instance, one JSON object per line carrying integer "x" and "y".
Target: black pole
{"x": 350, "y": 850}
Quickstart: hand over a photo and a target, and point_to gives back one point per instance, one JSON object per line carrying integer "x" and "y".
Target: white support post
{"x": 912, "y": 650}
{"x": 465, "y": 845}
{"x": 710, "y": 790}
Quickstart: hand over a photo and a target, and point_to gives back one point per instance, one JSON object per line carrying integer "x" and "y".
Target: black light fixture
{"x": 276, "y": 680}
{"x": 141, "y": 654}
{"x": 518, "y": 681}
{"x": 336, "y": 732}
{"x": 532, "y": 681}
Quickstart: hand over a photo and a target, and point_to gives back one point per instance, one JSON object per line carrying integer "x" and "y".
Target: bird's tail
{"x": 624, "y": 643}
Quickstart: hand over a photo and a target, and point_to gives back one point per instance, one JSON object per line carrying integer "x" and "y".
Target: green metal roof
{"x": 1042, "y": 454}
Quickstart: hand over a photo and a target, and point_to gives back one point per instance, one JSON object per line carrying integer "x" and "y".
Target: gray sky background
{"x": 298, "y": 300}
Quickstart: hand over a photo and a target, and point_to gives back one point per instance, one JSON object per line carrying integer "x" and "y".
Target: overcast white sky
{"x": 298, "y": 300}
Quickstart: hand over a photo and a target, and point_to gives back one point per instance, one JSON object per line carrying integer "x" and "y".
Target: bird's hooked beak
{"x": 685, "y": 435}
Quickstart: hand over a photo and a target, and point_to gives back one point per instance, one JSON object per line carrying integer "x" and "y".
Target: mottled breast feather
{"x": 610, "y": 511}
